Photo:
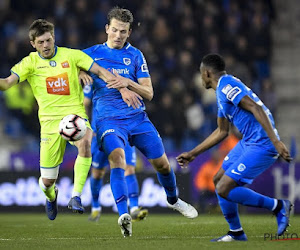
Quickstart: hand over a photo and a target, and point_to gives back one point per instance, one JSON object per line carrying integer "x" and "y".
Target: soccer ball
{"x": 72, "y": 127}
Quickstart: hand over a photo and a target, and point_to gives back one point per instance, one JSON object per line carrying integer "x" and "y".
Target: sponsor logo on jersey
{"x": 119, "y": 71}
{"x": 226, "y": 89}
{"x": 65, "y": 64}
{"x": 106, "y": 132}
{"x": 241, "y": 167}
{"x": 58, "y": 85}
{"x": 144, "y": 68}
{"x": 126, "y": 61}
{"x": 232, "y": 94}
{"x": 52, "y": 63}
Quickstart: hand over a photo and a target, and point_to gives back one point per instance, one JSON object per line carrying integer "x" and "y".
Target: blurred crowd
{"x": 172, "y": 34}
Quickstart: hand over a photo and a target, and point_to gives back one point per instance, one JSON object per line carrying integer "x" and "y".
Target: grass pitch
{"x": 171, "y": 231}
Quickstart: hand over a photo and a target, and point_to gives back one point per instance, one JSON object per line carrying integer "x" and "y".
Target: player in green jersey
{"x": 52, "y": 72}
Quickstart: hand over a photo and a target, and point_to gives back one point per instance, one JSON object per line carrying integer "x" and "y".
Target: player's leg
{"x": 81, "y": 170}
{"x": 99, "y": 163}
{"x": 96, "y": 182}
{"x": 252, "y": 163}
{"x": 147, "y": 140}
{"x": 137, "y": 213}
{"x": 229, "y": 208}
{"x": 112, "y": 142}
{"x": 52, "y": 149}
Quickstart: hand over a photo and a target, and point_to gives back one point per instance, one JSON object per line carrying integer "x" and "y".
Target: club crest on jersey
{"x": 126, "y": 61}
{"x": 65, "y": 64}
{"x": 52, "y": 63}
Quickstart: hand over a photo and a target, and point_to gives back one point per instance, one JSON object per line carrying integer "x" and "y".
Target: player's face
{"x": 204, "y": 77}
{"x": 44, "y": 44}
{"x": 117, "y": 33}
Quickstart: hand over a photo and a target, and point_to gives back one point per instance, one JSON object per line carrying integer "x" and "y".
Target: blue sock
{"x": 133, "y": 190}
{"x": 250, "y": 198}
{"x": 230, "y": 212}
{"x": 119, "y": 189}
{"x": 96, "y": 185}
{"x": 168, "y": 181}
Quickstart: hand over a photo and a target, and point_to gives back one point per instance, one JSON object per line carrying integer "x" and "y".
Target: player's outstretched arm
{"x": 143, "y": 87}
{"x": 6, "y": 83}
{"x": 215, "y": 137}
{"x": 248, "y": 104}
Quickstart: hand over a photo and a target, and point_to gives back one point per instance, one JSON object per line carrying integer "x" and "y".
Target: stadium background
{"x": 256, "y": 38}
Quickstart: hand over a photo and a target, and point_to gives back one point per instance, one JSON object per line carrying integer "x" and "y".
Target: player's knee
{"x": 222, "y": 189}
{"x": 117, "y": 158}
{"x": 163, "y": 167}
{"x": 84, "y": 147}
{"x": 130, "y": 170}
{"x": 98, "y": 173}
{"x": 48, "y": 182}
{"x": 216, "y": 179}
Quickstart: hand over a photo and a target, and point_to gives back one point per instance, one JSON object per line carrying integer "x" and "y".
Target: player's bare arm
{"x": 214, "y": 138}
{"x": 143, "y": 87}
{"x": 8, "y": 82}
{"x": 248, "y": 104}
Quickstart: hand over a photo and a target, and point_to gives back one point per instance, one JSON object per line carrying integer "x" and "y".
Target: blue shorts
{"x": 245, "y": 162}
{"x": 100, "y": 159}
{"x": 137, "y": 130}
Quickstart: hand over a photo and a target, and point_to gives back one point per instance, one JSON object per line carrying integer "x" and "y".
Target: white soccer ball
{"x": 72, "y": 127}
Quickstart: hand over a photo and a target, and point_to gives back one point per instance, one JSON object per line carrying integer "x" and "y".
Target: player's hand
{"x": 118, "y": 82}
{"x": 85, "y": 78}
{"x": 184, "y": 159}
{"x": 131, "y": 98}
{"x": 283, "y": 151}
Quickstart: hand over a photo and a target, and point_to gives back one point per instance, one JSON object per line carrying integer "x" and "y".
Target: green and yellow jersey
{"x": 54, "y": 82}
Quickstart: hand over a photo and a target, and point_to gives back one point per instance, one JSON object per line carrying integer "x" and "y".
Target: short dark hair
{"x": 214, "y": 61}
{"x": 123, "y": 15}
{"x": 40, "y": 27}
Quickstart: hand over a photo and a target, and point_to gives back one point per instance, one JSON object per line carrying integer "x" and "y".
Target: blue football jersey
{"x": 229, "y": 92}
{"x": 128, "y": 62}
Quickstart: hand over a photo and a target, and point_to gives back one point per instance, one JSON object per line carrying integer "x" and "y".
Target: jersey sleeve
{"x": 23, "y": 69}
{"x": 88, "y": 92}
{"x": 141, "y": 67}
{"x": 233, "y": 91}
{"x": 83, "y": 61}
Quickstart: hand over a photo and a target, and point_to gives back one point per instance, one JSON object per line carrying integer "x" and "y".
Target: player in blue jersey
{"x": 257, "y": 151}
{"x": 100, "y": 161}
{"x": 118, "y": 124}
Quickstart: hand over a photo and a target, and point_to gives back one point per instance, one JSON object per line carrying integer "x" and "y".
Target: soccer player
{"x": 52, "y": 73}
{"x": 99, "y": 163}
{"x": 117, "y": 124}
{"x": 257, "y": 151}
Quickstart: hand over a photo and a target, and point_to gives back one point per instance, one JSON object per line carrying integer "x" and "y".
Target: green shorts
{"x": 52, "y": 145}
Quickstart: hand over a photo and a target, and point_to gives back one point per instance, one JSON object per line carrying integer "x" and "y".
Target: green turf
{"x": 73, "y": 231}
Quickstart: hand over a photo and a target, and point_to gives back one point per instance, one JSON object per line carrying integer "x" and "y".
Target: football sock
{"x": 250, "y": 198}
{"x": 81, "y": 170}
{"x": 48, "y": 191}
{"x": 133, "y": 190}
{"x": 168, "y": 181}
{"x": 96, "y": 185}
{"x": 230, "y": 212}
{"x": 278, "y": 207}
{"x": 119, "y": 189}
